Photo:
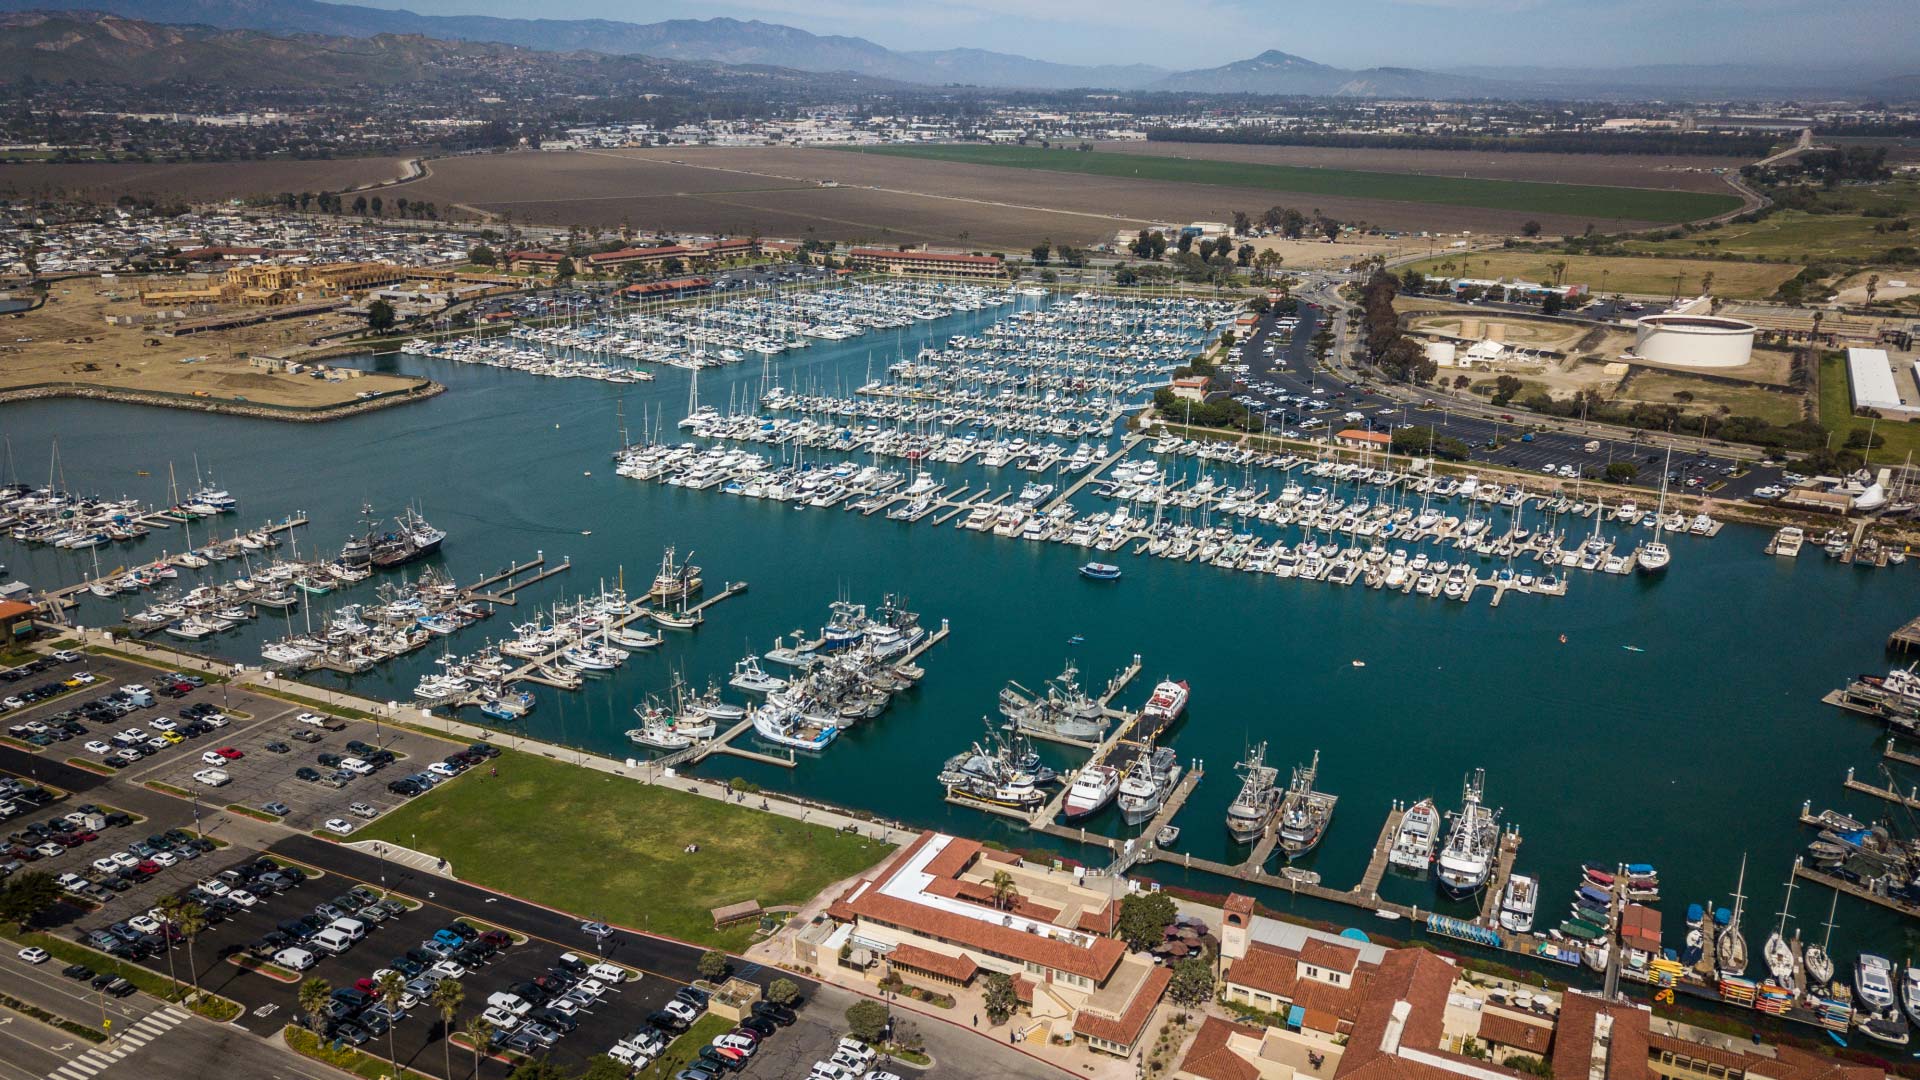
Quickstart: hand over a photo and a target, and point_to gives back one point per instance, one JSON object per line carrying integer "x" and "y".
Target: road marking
{"x": 64, "y": 1073}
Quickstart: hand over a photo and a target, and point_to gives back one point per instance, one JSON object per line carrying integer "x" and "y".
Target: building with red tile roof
{"x": 930, "y": 910}
{"x": 926, "y": 263}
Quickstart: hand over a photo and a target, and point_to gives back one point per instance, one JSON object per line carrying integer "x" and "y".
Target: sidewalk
{"x": 795, "y": 807}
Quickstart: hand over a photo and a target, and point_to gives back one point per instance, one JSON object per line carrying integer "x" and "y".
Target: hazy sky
{"x": 1350, "y": 33}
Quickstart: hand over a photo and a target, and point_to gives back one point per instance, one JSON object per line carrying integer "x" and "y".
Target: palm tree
{"x": 478, "y": 1032}
{"x": 391, "y": 984}
{"x": 169, "y": 916}
{"x": 1004, "y": 891}
{"x": 190, "y": 920}
{"x": 447, "y": 996}
{"x": 314, "y": 995}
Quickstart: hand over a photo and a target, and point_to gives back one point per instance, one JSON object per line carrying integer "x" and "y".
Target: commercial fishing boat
{"x": 1517, "y": 903}
{"x": 1063, "y": 711}
{"x": 1259, "y": 798}
{"x": 1149, "y": 779}
{"x": 991, "y": 774}
{"x": 1466, "y": 861}
{"x": 412, "y": 539}
{"x": 1305, "y": 813}
{"x": 784, "y": 722}
{"x": 1413, "y": 841}
{"x": 1091, "y": 791}
{"x": 1168, "y": 701}
{"x": 659, "y": 729}
{"x": 675, "y": 581}
{"x": 750, "y": 678}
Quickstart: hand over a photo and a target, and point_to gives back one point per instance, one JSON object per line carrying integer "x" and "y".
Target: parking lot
{"x": 248, "y": 913}
{"x": 1294, "y": 397}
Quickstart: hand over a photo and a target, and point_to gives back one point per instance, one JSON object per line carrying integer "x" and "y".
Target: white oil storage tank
{"x": 1694, "y": 341}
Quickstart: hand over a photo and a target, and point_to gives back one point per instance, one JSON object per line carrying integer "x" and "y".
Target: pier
{"x": 1126, "y": 447}
{"x": 1382, "y": 848}
{"x": 1911, "y": 800}
{"x": 1861, "y": 892}
{"x": 506, "y": 579}
{"x": 1906, "y": 638}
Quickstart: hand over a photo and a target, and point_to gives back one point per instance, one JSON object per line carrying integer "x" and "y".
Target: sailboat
{"x": 1817, "y": 958}
{"x": 1653, "y": 556}
{"x": 1730, "y": 955}
{"x": 1777, "y": 953}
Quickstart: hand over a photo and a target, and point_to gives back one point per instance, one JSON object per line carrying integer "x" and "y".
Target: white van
{"x": 334, "y": 941}
{"x": 354, "y": 929}
{"x": 138, "y": 695}
{"x": 1354, "y": 417}
{"x": 294, "y": 959}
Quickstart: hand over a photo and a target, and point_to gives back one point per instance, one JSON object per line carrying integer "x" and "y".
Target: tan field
{"x": 1607, "y": 274}
{"x": 68, "y": 342}
{"x": 197, "y": 181}
{"x": 781, "y": 191}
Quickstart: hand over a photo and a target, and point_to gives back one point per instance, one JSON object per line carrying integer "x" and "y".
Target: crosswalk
{"x": 127, "y": 1041}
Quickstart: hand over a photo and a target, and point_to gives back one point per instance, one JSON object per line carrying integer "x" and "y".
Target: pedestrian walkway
{"x": 405, "y": 856}
{"x": 123, "y": 1044}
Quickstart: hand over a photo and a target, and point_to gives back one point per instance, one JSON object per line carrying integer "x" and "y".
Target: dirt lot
{"x": 69, "y": 340}
{"x": 196, "y": 181}
{"x": 1626, "y": 170}
{"x": 776, "y": 191}
{"x": 1521, "y": 333}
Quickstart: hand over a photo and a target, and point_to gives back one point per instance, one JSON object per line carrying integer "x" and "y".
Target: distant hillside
{"x": 52, "y": 47}
{"x": 1275, "y": 72}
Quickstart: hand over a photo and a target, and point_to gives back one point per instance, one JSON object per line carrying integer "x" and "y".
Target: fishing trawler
{"x": 1063, "y": 711}
{"x": 675, "y": 581}
{"x": 1466, "y": 861}
{"x": 1091, "y": 791}
{"x": 991, "y": 774}
{"x": 412, "y": 539}
{"x": 784, "y": 722}
{"x": 1149, "y": 779}
{"x": 659, "y": 729}
{"x": 1259, "y": 798}
{"x": 1305, "y": 813}
{"x": 1413, "y": 841}
{"x": 750, "y": 678}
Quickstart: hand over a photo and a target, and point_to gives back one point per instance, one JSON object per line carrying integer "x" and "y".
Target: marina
{"x": 1027, "y": 621}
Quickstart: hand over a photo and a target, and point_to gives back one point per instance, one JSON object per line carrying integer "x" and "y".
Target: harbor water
{"x": 1690, "y": 749}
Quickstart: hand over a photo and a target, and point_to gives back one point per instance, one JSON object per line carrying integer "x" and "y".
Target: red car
{"x": 366, "y": 987}
{"x": 229, "y": 753}
{"x": 183, "y": 688}
{"x": 87, "y": 836}
{"x": 68, "y": 839}
{"x": 148, "y": 866}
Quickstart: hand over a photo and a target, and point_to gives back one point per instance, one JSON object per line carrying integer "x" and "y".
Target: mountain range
{"x": 736, "y": 42}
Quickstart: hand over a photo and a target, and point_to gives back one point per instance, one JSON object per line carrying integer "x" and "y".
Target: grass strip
{"x": 257, "y": 815}
{"x": 686, "y": 1047}
{"x": 310, "y": 703}
{"x": 51, "y": 1019}
{"x": 209, "y": 1005}
{"x": 359, "y": 1063}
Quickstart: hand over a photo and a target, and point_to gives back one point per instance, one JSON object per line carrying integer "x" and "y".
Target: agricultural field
{"x": 1605, "y": 205}
{"x": 196, "y": 181}
{"x": 799, "y": 193}
{"x": 1608, "y": 170}
{"x": 1795, "y": 235}
{"x": 1612, "y": 274}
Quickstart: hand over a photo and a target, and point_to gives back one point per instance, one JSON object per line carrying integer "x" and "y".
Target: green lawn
{"x": 1600, "y": 203}
{"x": 1799, "y": 236}
{"x": 608, "y": 847}
{"x": 1836, "y": 415}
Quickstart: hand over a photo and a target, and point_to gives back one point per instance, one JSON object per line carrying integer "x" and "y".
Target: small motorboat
{"x": 1100, "y": 571}
{"x": 1166, "y": 836}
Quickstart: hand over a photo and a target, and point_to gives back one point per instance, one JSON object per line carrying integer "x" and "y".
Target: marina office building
{"x": 930, "y": 915}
